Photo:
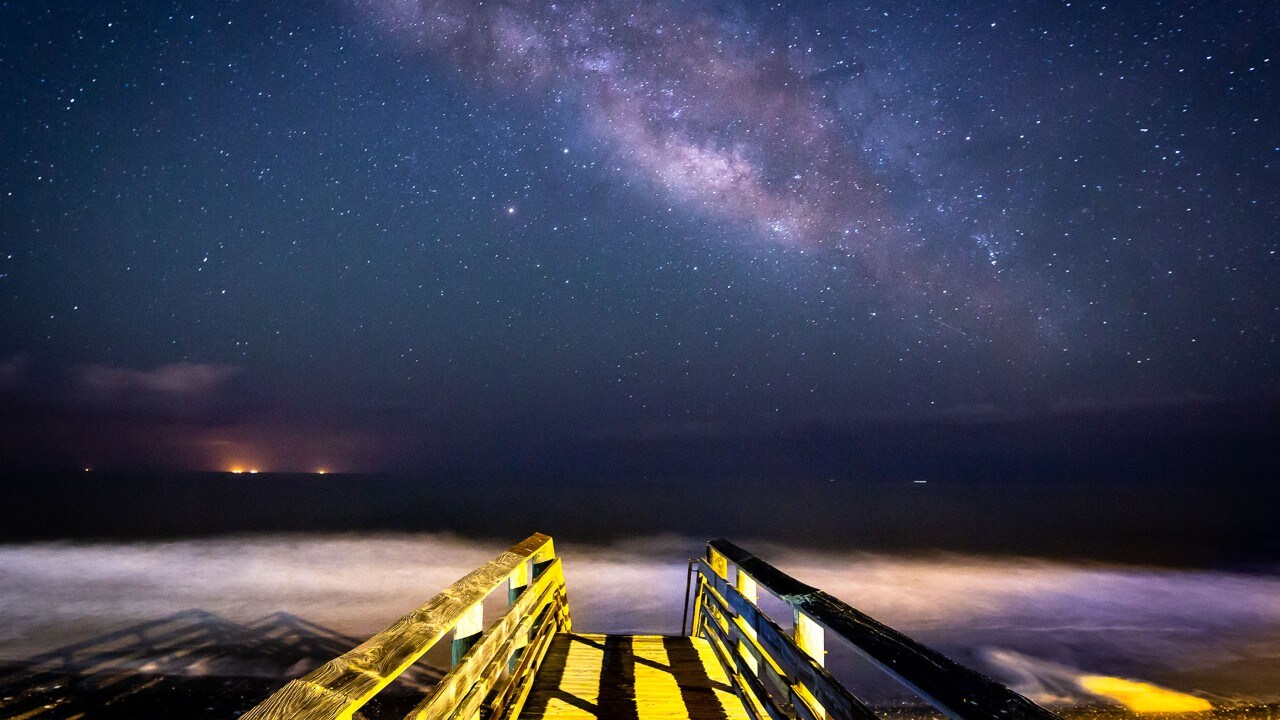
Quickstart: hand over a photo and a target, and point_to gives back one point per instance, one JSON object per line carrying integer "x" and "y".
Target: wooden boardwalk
{"x": 631, "y": 677}
{"x": 738, "y": 663}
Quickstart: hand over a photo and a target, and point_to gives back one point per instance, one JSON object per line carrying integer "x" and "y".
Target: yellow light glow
{"x": 322, "y": 471}
{"x": 1143, "y": 697}
{"x": 253, "y": 471}
{"x": 235, "y": 469}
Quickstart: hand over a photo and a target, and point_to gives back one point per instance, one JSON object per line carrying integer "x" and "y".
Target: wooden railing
{"x": 781, "y": 676}
{"x": 492, "y": 668}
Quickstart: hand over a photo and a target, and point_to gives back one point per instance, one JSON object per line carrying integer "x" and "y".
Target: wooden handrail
{"x": 738, "y": 627}
{"x": 539, "y": 608}
{"x": 776, "y": 678}
{"x": 486, "y": 660}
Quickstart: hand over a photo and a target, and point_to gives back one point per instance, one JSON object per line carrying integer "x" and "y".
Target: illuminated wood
{"x": 810, "y": 639}
{"x": 747, "y": 587}
{"x": 754, "y": 696}
{"x": 740, "y": 666}
{"x": 785, "y": 668}
{"x": 484, "y": 663}
{"x": 718, "y": 562}
{"x": 337, "y": 689}
{"x": 959, "y": 692}
{"x": 525, "y": 668}
{"x": 518, "y": 582}
{"x": 466, "y": 631}
{"x": 642, "y": 677}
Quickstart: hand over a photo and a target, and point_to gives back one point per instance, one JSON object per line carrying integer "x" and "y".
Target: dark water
{"x": 1194, "y": 484}
{"x": 1218, "y": 523}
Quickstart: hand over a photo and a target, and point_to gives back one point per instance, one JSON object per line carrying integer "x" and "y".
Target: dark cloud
{"x": 177, "y": 380}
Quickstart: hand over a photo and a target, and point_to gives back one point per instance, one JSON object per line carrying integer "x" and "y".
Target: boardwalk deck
{"x": 631, "y": 677}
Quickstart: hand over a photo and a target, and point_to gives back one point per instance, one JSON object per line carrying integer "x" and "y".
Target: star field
{"x": 380, "y": 224}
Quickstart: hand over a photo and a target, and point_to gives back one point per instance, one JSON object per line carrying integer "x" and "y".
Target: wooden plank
{"x": 567, "y": 686}
{"x": 810, "y": 637}
{"x": 718, "y": 562}
{"x": 526, "y": 670}
{"x": 773, "y": 642}
{"x": 753, "y": 695}
{"x": 718, "y": 676}
{"x": 335, "y": 690}
{"x": 787, "y": 681}
{"x": 771, "y": 674}
{"x": 466, "y": 630}
{"x": 657, "y": 693}
{"x": 518, "y": 582}
{"x": 486, "y": 660}
{"x": 959, "y": 692}
{"x": 599, "y": 677}
{"x": 469, "y": 708}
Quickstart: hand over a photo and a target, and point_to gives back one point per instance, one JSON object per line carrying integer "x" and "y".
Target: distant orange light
{"x": 237, "y": 470}
{"x": 322, "y": 471}
{"x": 253, "y": 472}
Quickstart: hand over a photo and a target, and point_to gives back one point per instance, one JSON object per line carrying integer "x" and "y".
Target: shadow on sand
{"x": 191, "y": 664}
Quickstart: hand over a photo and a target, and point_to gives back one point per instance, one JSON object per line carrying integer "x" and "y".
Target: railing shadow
{"x": 191, "y": 664}
{"x": 607, "y": 685}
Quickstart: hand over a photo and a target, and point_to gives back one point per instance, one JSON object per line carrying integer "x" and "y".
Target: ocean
{"x": 1059, "y": 590}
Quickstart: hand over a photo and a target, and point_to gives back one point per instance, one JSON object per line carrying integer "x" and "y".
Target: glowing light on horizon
{"x": 1143, "y": 697}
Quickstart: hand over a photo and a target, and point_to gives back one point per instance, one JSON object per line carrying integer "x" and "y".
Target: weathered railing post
{"x": 519, "y": 582}
{"x": 516, "y": 586}
{"x": 542, "y": 558}
{"x": 751, "y": 592}
{"x": 811, "y": 639}
{"x": 467, "y": 632}
{"x": 720, "y": 566}
{"x": 719, "y": 563}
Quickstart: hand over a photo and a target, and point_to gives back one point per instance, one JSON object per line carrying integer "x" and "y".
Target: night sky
{"x": 354, "y": 234}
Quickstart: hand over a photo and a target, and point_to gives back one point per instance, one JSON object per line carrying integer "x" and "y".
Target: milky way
{"x": 446, "y": 214}
{"x": 720, "y": 119}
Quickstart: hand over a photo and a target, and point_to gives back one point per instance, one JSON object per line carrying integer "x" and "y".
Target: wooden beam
{"x": 466, "y": 631}
{"x": 337, "y": 689}
{"x": 518, "y": 582}
{"x": 486, "y": 660}
{"x": 550, "y": 622}
{"x": 778, "y": 648}
{"x": 959, "y": 692}
{"x": 718, "y": 562}
{"x": 810, "y": 639}
{"x": 754, "y": 698}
